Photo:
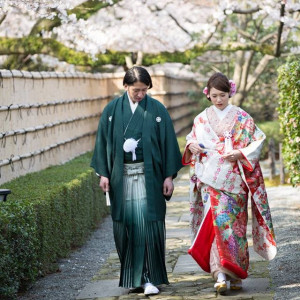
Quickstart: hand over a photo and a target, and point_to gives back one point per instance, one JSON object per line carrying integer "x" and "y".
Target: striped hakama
{"x": 140, "y": 243}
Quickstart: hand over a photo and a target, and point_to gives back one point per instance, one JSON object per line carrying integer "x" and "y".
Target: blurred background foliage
{"x": 289, "y": 117}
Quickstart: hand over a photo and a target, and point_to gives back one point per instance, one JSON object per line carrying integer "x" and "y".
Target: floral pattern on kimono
{"x": 230, "y": 218}
{"x": 227, "y": 186}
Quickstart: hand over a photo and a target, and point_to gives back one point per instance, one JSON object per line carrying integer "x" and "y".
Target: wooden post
{"x": 281, "y": 165}
{"x": 271, "y": 158}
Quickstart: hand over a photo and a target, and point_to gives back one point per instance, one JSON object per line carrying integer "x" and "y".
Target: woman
{"x": 137, "y": 156}
{"x": 223, "y": 150}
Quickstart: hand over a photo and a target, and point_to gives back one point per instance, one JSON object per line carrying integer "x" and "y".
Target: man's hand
{"x": 104, "y": 184}
{"x": 168, "y": 186}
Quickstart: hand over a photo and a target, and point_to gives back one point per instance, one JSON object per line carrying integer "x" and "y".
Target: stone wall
{"x": 48, "y": 118}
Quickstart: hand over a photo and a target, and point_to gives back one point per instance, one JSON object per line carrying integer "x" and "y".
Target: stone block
{"x": 254, "y": 256}
{"x": 102, "y": 288}
{"x": 185, "y": 218}
{"x": 186, "y": 264}
{"x": 178, "y": 233}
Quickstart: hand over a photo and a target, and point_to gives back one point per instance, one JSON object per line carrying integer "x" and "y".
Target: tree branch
{"x": 280, "y": 28}
{"x": 89, "y": 8}
{"x": 258, "y": 71}
{"x": 216, "y": 24}
{"x": 177, "y": 23}
{"x": 38, "y": 45}
{"x": 267, "y": 37}
{"x": 82, "y": 11}
{"x": 259, "y": 22}
{"x": 246, "y": 34}
{"x": 3, "y": 18}
{"x": 246, "y": 11}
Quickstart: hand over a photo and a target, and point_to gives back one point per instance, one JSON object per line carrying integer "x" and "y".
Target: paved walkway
{"x": 187, "y": 280}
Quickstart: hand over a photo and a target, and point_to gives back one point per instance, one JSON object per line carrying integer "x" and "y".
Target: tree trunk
{"x": 281, "y": 165}
{"x": 271, "y": 159}
{"x": 238, "y": 68}
{"x": 248, "y": 80}
{"x": 139, "y": 59}
{"x": 237, "y": 98}
{"x": 258, "y": 70}
{"x": 129, "y": 62}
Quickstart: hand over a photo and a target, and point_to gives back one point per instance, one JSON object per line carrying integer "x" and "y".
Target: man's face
{"x": 137, "y": 91}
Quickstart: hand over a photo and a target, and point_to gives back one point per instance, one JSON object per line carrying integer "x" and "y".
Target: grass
{"x": 181, "y": 142}
{"x": 275, "y": 181}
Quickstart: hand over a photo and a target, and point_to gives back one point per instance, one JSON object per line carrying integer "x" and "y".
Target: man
{"x": 137, "y": 156}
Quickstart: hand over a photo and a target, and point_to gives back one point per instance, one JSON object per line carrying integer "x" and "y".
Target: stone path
{"x": 187, "y": 280}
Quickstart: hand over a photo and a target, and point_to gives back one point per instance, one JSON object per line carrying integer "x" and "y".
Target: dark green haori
{"x": 158, "y": 148}
{"x": 138, "y": 206}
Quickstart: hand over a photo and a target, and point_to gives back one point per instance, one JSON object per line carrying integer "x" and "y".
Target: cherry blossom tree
{"x": 248, "y": 34}
{"x": 272, "y": 26}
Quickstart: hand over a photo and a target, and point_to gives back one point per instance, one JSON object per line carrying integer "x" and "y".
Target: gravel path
{"x": 77, "y": 270}
{"x": 285, "y": 268}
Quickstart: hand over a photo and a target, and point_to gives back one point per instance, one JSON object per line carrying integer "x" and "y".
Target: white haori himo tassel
{"x": 107, "y": 198}
{"x": 228, "y": 141}
{"x": 129, "y": 146}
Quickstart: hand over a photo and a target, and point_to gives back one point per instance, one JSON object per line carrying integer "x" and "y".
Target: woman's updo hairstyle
{"x": 136, "y": 74}
{"x": 218, "y": 81}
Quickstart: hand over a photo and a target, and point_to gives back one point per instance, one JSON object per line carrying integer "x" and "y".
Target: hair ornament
{"x": 205, "y": 91}
{"x": 232, "y": 88}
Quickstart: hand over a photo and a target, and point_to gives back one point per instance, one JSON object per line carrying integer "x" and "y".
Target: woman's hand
{"x": 168, "y": 186}
{"x": 195, "y": 148}
{"x": 104, "y": 184}
{"x": 233, "y": 155}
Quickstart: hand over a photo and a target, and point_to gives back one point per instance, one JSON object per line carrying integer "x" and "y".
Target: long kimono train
{"x": 219, "y": 194}
{"x": 138, "y": 205}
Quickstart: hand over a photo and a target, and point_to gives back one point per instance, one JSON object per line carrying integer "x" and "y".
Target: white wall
{"x": 48, "y": 118}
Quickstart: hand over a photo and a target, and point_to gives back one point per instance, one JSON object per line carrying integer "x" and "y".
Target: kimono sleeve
{"x": 252, "y": 151}
{"x": 99, "y": 160}
{"x": 190, "y": 138}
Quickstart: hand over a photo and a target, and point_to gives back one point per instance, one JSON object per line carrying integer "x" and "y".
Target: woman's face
{"x": 137, "y": 91}
{"x": 218, "y": 98}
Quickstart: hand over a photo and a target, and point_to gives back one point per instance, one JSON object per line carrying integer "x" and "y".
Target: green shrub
{"x": 18, "y": 247}
{"x": 47, "y": 215}
{"x": 289, "y": 108}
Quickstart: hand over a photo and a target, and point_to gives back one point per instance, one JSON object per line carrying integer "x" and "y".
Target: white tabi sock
{"x": 221, "y": 277}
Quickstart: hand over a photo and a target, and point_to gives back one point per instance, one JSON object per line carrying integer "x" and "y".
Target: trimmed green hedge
{"x": 289, "y": 116}
{"x": 47, "y": 214}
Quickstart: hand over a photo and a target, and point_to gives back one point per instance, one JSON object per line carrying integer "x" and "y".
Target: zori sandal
{"x": 236, "y": 284}
{"x": 221, "y": 287}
